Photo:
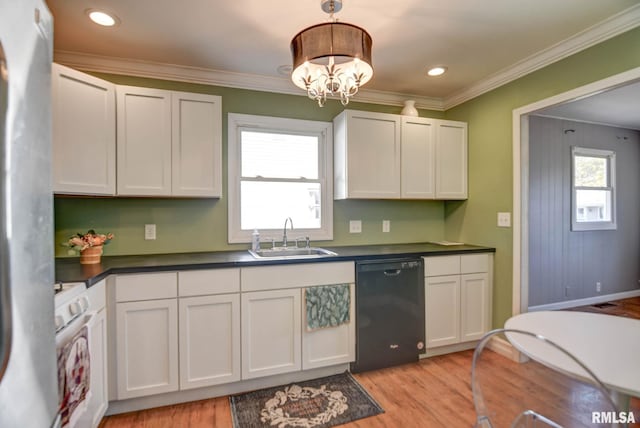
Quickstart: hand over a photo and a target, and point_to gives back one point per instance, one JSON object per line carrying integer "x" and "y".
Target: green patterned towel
{"x": 327, "y": 305}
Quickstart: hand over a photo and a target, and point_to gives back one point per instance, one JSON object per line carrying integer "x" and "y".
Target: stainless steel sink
{"x": 292, "y": 253}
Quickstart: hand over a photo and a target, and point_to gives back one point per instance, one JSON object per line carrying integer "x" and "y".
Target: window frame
{"x": 323, "y": 130}
{"x": 610, "y": 156}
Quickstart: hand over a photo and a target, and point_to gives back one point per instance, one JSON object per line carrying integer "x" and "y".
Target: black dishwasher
{"x": 389, "y": 313}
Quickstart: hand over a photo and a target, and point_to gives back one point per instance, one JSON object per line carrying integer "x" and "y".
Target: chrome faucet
{"x": 284, "y": 235}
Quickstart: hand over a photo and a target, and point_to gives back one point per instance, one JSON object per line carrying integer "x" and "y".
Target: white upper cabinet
{"x": 144, "y": 141}
{"x": 169, "y": 143}
{"x": 84, "y": 133}
{"x": 367, "y": 155}
{"x": 451, "y": 166}
{"x": 196, "y": 145}
{"x": 387, "y": 156}
{"x": 418, "y": 158}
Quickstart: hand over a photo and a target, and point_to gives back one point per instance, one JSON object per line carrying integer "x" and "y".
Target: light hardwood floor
{"x": 434, "y": 392}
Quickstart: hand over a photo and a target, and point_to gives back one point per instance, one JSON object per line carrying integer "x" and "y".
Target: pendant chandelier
{"x": 331, "y": 59}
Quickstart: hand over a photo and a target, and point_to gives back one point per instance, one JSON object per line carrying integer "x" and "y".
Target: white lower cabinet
{"x": 457, "y": 298}
{"x": 202, "y": 328}
{"x": 147, "y": 347}
{"x": 271, "y": 333}
{"x": 176, "y": 331}
{"x": 274, "y": 335}
{"x": 209, "y": 340}
{"x": 329, "y": 346}
{"x": 475, "y": 316}
{"x": 442, "y": 305}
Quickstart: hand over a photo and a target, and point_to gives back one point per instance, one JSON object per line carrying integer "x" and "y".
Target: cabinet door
{"x": 84, "y": 133}
{"x": 99, "y": 381}
{"x": 474, "y": 306}
{"x": 196, "y": 145}
{"x": 147, "y": 347}
{"x": 451, "y": 160}
{"x": 373, "y": 155}
{"x": 442, "y": 303}
{"x": 270, "y": 333}
{"x": 144, "y": 141}
{"x": 209, "y": 340}
{"x": 330, "y": 346}
{"x": 418, "y": 158}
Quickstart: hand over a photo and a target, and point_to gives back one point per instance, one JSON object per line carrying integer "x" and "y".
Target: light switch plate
{"x": 386, "y": 226}
{"x": 504, "y": 219}
{"x": 149, "y": 232}
{"x": 355, "y": 226}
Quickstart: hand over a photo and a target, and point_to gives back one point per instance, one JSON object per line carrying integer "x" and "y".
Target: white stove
{"x": 70, "y": 302}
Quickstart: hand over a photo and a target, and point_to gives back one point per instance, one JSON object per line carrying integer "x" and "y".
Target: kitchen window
{"x": 279, "y": 168}
{"x": 593, "y": 201}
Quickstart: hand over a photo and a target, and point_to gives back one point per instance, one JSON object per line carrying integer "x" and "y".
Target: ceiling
{"x": 617, "y": 107}
{"x": 249, "y": 39}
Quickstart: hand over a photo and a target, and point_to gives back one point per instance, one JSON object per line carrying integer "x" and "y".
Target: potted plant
{"x": 89, "y": 245}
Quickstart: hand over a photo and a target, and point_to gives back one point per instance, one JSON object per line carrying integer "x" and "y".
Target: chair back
{"x": 547, "y": 387}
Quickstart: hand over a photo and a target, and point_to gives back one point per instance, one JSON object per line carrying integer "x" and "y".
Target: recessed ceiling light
{"x": 437, "y": 71}
{"x": 103, "y": 18}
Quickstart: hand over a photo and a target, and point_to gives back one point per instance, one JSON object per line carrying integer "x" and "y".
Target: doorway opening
{"x": 521, "y": 116}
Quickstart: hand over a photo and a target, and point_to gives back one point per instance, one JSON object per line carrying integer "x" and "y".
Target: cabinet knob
{"x": 59, "y": 322}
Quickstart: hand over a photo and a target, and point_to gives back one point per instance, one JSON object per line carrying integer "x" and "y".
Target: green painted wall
{"x": 490, "y": 149}
{"x": 200, "y": 225}
{"x": 187, "y": 225}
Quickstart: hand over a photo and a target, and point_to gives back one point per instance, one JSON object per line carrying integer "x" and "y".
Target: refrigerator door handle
{"x": 5, "y": 291}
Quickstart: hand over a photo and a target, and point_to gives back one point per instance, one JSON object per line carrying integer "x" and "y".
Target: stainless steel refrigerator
{"x": 28, "y": 379}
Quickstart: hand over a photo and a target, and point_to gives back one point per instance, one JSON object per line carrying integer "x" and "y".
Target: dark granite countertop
{"x": 70, "y": 270}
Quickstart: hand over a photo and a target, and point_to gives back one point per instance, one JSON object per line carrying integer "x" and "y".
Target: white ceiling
{"x": 250, "y": 39}
{"x": 617, "y": 107}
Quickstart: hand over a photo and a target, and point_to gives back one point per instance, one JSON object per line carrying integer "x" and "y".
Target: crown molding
{"x": 604, "y": 30}
{"x": 182, "y": 73}
{"x": 615, "y": 25}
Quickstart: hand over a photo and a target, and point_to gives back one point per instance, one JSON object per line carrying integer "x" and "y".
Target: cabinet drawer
{"x": 206, "y": 282}
{"x": 146, "y": 286}
{"x": 474, "y": 263}
{"x": 260, "y": 278}
{"x": 441, "y": 265}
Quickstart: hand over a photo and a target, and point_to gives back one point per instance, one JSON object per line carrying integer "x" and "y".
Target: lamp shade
{"x": 332, "y": 58}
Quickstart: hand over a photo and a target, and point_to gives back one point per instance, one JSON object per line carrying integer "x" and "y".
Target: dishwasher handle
{"x": 392, "y": 272}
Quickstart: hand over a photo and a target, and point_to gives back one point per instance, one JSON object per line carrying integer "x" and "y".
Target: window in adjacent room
{"x": 593, "y": 202}
{"x": 279, "y": 168}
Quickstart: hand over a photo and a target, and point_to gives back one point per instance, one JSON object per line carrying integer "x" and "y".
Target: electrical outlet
{"x": 504, "y": 219}
{"x": 598, "y": 287}
{"x": 355, "y": 226}
{"x": 386, "y": 226}
{"x": 149, "y": 232}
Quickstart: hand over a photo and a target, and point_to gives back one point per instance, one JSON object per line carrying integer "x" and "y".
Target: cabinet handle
{"x": 392, "y": 272}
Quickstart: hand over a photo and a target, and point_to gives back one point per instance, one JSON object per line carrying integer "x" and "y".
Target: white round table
{"x": 608, "y": 345}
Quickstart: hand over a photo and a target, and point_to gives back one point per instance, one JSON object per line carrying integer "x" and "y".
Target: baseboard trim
{"x": 586, "y": 301}
{"x": 504, "y": 348}
{"x": 448, "y": 349}
{"x": 158, "y": 400}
